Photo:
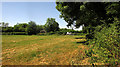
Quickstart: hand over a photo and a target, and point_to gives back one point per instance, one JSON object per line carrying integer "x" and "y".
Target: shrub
{"x": 80, "y": 33}
{"x": 14, "y": 33}
{"x": 61, "y": 32}
{"x": 19, "y": 33}
{"x": 41, "y": 34}
{"x": 7, "y": 29}
{"x": 50, "y": 33}
{"x": 42, "y": 31}
{"x": 106, "y": 44}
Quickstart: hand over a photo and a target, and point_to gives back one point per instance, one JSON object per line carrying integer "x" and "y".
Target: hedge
{"x": 14, "y": 33}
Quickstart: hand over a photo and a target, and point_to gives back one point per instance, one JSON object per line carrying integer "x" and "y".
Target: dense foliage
{"x": 88, "y": 14}
{"x": 64, "y": 31}
{"x": 106, "y": 44}
{"x": 14, "y": 33}
{"x": 40, "y": 28}
{"x": 93, "y": 13}
{"x": 7, "y": 29}
{"x": 20, "y": 27}
{"x": 101, "y": 22}
{"x": 51, "y": 25}
{"x": 31, "y": 28}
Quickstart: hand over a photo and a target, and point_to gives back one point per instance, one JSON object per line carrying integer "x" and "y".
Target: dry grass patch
{"x": 42, "y": 50}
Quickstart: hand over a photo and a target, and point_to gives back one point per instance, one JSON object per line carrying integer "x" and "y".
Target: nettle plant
{"x": 105, "y": 47}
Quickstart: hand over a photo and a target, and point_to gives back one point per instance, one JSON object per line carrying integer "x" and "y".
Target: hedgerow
{"x": 105, "y": 46}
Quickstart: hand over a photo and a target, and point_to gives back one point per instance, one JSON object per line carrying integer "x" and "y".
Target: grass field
{"x": 43, "y": 50}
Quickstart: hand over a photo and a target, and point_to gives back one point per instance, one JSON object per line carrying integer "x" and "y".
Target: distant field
{"x": 43, "y": 50}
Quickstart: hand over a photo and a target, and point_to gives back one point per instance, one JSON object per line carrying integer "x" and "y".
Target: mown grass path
{"x": 43, "y": 50}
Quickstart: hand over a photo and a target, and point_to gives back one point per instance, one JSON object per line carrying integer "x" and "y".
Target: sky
{"x": 23, "y": 12}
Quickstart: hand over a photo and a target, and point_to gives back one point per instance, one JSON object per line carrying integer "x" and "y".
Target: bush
{"x": 64, "y": 32}
{"x": 80, "y": 33}
{"x": 14, "y": 33}
{"x": 50, "y": 33}
{"x": 41, "y": 34}
{"x": 106, "y": 45}
{"x": 61, "y": 32}
{"x": 7, "y": 29}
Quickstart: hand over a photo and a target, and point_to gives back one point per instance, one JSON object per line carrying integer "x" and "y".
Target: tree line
{"x": 31, "y": 28}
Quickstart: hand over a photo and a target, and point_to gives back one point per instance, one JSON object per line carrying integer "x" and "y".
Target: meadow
{"x": 43, "y": 50}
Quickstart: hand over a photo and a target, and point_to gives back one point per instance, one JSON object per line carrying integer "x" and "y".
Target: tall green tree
{"x": 88, "y": 13}
{"x": 51, "y": 25}
{"x": 31, "y": 28}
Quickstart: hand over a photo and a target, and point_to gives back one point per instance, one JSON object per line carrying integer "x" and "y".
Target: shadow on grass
{"x": 80, "y": 38}
{"x": 82, "y": 42}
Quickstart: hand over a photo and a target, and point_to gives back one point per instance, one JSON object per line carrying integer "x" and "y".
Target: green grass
{"x": 42, "y": 50}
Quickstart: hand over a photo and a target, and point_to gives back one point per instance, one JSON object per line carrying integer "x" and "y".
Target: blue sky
{"x": 23, "y": 12}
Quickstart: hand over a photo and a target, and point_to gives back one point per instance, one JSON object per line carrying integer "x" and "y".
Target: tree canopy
{"x": 51, "y": 25}
{"x": 20, "y": 27}
{"x": 31, "y": 28}
{"x": 88, "y": 13}
{"x": 3, "y": 24}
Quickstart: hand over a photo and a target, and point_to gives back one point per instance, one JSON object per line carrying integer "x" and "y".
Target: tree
{"x": 88, "y": 13}
{"x": 3, "y": 24}
{"x": 39, "y": 28}
{"x": 101, "y": 21}
{"x": 16, "y": 28}
{"x": 51, "y": 25}
{"x": 20, "y": 27}
{"x": 31, "y": 28}
{"x": 7, "y": 29}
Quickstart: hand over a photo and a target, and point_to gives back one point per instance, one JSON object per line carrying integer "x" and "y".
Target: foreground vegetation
{"x": 101, "y": 23}
{"x": 43, "y": 50}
